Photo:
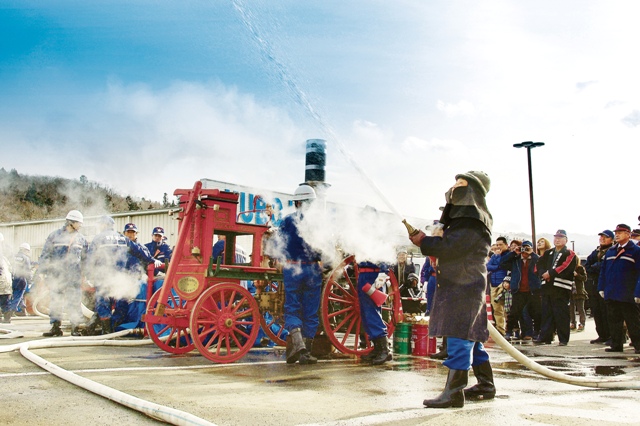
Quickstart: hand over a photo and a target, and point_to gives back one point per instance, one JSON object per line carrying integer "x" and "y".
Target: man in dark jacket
{"x": 523, "y": 285}
{"x": 402, "y": 268}
{"x": 619, "y": 285}
{"x": 555, "y": 268}
{"x": 459, "y": 308}
{"x": 593, "y": 266}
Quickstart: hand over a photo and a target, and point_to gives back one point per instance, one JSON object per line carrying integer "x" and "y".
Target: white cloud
{"x": 463, "y": 107}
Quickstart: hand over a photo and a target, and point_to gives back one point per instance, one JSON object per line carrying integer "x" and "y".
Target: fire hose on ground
{"x": 153, "y": 410}
{"x": 592, "y": 382}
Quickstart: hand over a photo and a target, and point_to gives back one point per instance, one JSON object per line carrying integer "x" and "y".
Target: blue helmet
{"x": 158, "y": 230}
{"x": 130, "y": 227}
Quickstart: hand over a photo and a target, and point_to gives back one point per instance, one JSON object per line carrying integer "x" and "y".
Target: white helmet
{"x": 25, "y": 246}
{"x": 75, "y": 216}
{"x": 304, "y": 192}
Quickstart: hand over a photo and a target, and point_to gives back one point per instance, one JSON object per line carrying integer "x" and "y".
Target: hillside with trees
{"x": 24, "y": 197}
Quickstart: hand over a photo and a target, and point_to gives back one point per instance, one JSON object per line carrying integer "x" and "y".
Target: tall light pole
{"x": 529, "y": 145}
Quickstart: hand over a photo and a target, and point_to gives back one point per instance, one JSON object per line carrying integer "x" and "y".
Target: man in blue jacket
{"x": 523, "y": 285}
{"x": 619, "y": 285}
{"x": 496, "y": 277}
{"x": 158, "y": 248}
{"x": 302, "y": 273}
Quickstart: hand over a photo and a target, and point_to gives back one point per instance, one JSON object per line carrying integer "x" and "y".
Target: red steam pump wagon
{"x": 203, "y": 304}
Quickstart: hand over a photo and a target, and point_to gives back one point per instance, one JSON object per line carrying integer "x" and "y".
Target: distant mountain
{"x": 25, "y": 197}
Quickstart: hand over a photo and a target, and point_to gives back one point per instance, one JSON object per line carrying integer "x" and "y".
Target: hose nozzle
{"x": 410, "y": 229}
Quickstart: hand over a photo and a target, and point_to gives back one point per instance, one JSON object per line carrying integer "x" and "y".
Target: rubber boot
{"x": 296, "y": 347}
{"x": 443, "y": 354}
{"x": 55, "y": 330}
{"x": 305, "y": 356}
{"x": 371, "y": 355}
{"x": 485, "y": 389}
{"x": 6, "y": 317}
{"x": 382, "y": 354}
{"x": 453, "y": 393}
{"x": 106, "y": 326}
{"x": 75, "y": 330}
{"x": 90, "y": 330}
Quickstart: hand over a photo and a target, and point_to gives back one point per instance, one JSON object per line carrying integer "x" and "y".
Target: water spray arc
{"x": 301, "y": 98}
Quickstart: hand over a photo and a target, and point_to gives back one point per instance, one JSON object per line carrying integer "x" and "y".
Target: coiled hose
{"x": 156, "y": 411}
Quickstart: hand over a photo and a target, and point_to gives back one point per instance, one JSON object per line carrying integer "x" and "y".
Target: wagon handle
{"x": 186, "y": 224}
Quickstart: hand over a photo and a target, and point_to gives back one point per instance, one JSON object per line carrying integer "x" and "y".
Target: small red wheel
{"x": 170, "y": 331}
{"x": 273, "y": 321}
{"x": 224, "y": 322}
{"x": 341, "y": 308}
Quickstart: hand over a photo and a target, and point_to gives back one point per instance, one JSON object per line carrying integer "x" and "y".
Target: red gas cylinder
{"x": 420, "y": 339}
{"x": 432, "y": 346}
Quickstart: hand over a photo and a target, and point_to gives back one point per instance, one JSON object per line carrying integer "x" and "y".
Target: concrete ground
{"x": 261, "y": 389}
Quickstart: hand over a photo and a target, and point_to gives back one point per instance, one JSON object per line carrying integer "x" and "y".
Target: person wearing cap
{"x": 21, "y": 276}
{"x": 635, "y": 236}
{"x": 61, "y": 261}
{"x": 158, "y": 248}
{"x": 593, "y": 265}
{"x": 412, "y": 296}
{"x": 524, "y": 284}
{"x": 497, "y": 276}
{"x": 619, "y": 285}
{"x": 138, "y": 257}
{"x": 555, "y": 269}
{"x": 302, "y": 275}
{"x": 459, "y": 309}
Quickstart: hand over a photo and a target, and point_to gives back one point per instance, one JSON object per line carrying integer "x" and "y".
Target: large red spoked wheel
{"x": 225, "y": 322}
{"x": 273, "y": 321}
{"x": 170, "y": 331}
{"x": 341, "y": 309}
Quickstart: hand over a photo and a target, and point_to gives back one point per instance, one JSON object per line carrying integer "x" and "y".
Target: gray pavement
{"x": 261, "y": 389}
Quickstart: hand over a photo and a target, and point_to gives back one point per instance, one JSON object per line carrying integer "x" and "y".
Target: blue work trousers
{"x": 19, "y": 286}
{"x": 464, "y": 353}
{"x": 302, "y": 289}
{"x": 370, "y": 313}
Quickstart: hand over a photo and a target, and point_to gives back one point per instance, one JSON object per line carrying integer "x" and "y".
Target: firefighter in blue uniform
{"x": 62, "y": 259}
{"x": 158, "y": 248}
{"x": 371, "y": 313}
{"x": 137, "y": 261}
{"x": 108, "y": 256}
{"x": 302, "y": 273}
{"x": 21, "y": 276}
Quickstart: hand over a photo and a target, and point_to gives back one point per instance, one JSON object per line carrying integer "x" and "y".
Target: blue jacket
{"x": 294, "y": 247}
{"x": 64, "y": 253}
{"x": 112, "y": 250}
{"x": 620, "y": 273}
{"x": 514, "y": 263}
{"x": 160, "y": 251}
{"x": 594, "y": 263}
{"x": 496, "y": 273}
{"x": 22, "y": 266}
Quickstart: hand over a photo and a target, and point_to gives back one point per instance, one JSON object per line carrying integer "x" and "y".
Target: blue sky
{"x": 148, "y": 96}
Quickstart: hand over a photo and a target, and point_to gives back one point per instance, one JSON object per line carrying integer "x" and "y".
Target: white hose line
{"x": 592, "y": 382}
{"x": 156, "y": 411}
{"x": 10, "y": 334}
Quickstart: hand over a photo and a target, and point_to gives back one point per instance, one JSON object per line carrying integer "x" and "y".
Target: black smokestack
{"x": 315, "y": 161}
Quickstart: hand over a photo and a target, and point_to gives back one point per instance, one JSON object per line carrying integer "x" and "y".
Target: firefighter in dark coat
{"x": 459, "y": 310}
